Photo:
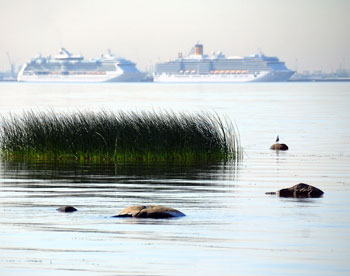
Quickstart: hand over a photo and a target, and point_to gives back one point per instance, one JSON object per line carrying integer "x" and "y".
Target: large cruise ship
{"x": 197, "y": 67}
{"x": 66, "y": 67}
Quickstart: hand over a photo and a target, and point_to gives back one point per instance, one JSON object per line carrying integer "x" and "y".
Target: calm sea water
{"x": 231, "y": 227}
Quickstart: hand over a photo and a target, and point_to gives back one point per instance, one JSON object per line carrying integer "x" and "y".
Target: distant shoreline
{"x": 321, "y": 80}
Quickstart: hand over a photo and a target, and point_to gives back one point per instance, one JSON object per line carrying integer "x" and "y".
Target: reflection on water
{"x": 112, "y": 172}
{"x": 139, "y": 183}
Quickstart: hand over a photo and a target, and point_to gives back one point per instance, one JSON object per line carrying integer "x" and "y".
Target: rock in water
{"x": 67, "y": 209}
{"x": 150, "y": 211}
{"x": 279, "y": 146}
{"x": 300, "y": 190}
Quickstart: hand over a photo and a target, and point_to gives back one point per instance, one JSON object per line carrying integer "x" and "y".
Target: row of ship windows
{"x": 200, "y": 68}
{"x": 229, "y": 72}
{"x": 204, "y": 76}
{"x": 214, "y": 72}
{"x": 64, "y": 73}
{"x": 70, "y": 68}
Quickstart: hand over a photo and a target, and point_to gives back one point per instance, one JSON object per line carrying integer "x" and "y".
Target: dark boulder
{"x": 300, "y": 190}
{"x": 150, "y": 211}
{"x": 67, "y": 209}
{"x": 279, "y": 146}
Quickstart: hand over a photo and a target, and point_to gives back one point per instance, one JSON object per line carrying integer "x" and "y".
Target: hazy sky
{"x": 306, "y": 34}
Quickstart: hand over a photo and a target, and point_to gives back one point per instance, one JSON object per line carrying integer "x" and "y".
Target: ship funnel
{"x": 198, "y": 49}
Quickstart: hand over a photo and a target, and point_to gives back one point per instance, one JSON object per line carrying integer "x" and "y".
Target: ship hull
{"x": 264, "y": 76}
{"x": 107, "y": 77}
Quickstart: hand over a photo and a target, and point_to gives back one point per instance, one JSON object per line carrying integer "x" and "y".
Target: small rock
{"x": 279, "y": 146}
{"x": 67, "y": 209}
{"x": 300, "y": 190}
{"x": 150, "y": 211}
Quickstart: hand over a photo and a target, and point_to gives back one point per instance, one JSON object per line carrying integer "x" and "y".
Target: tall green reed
{"x": 119, "y": 137}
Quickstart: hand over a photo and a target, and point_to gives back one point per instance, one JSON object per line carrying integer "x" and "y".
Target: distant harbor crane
{"x": 12, "y": 66}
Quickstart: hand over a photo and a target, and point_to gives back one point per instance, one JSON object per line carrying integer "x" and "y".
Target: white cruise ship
{"x": 197, "y": 67}
{"x": 66, "y": 67}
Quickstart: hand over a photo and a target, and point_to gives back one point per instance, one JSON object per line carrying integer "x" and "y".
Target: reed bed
{"x": 119, "y": 137}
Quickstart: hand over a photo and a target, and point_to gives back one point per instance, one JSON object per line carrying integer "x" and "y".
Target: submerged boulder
{"x": 300, "y": 190}
{"x": 279, "y": 146}
{"x": 67, "y": 209}
{"x": 150, "y": 211}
